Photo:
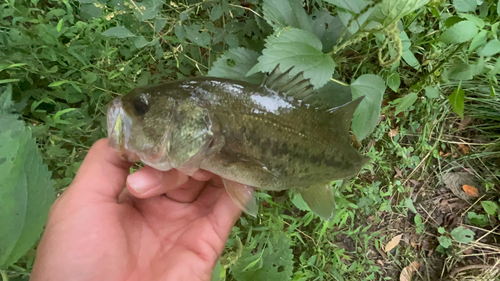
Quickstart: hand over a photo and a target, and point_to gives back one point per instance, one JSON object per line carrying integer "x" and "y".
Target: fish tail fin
{"x": 341, "y": 116}
{"x": 320, "y": 200}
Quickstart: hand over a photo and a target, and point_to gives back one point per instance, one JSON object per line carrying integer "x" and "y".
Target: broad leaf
{"x": 216, "y": 13}
{"x": 334, "y": 94}
{"x": 147, "y": 9}
{"x": 405, "y": 102}
{"x": 199, "y": 38}
{"x": 490, "y": 49}
{"x": 235, "y": 64}
{"x": 272, "y": 261}
{"x": 368, "y": 112}
{"x": 298, "y": 201}
{"x": 393, "y": 81}
{"x": 327, "y": 28}
{"x": 351, "y": 5}
{"x": 284, "y": 13}
{"x": 457, "y": 99}
{"x": 490, "y": 207}
{"x": 431, "y": 92}
{"x": 478, "y": 40}
{"x": 461, "y": 71}
{"x": 26, "y": 190}
{"x": 444, "y": 241}
{"x": 408, "y": 55}
{"x": 300, "y": 49}
{"x": 462, "y": 235}
{"x": 460, "y": 32}
{"x": 465, "y": 5}
{"x": 119, "y": 32}
{"x": 390, "y": 11}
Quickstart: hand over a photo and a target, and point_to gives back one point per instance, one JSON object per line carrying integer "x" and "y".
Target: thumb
{"x": 101, "y": 177}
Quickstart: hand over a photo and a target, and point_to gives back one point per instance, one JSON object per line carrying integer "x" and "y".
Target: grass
{"x": 64, "y": 71}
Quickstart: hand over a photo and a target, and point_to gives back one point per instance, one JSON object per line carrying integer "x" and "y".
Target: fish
{"x": 276, "y": 135}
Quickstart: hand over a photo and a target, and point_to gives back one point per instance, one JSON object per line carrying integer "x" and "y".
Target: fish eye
{"x": 141, "y": 105}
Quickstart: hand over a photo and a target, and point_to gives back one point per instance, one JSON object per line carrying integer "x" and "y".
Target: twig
{"x": 248, "y": 9}
{"x": 474, "y": 266}
{"x": 314, "y": 241}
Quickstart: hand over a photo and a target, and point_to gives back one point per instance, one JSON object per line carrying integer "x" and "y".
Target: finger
{"x": 186, "y": 193}
{"x": 101, "y": 176}
{"x": 224, "y": 213}
{"x": 149, "y": 182}
{"x": 202, "y": 175}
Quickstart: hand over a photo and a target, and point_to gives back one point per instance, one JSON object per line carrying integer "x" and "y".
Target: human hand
{"x": 164, "y": 226}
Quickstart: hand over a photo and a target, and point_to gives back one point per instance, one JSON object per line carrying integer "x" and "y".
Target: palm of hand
{"x": 95, "y": 236}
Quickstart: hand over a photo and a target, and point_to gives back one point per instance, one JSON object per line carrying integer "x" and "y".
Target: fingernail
{"x": 142, "y": 183}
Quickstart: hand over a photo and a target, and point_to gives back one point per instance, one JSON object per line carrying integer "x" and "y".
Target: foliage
{"x": 26, "y": 190}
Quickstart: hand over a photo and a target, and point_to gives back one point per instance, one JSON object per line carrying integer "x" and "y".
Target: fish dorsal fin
{"x": 297, "y": 86}
{"x": 342, "y": 115}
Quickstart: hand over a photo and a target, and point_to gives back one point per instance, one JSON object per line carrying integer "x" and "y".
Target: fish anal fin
{"x": 242, "y": 196}
{"x": 320, "y": 200}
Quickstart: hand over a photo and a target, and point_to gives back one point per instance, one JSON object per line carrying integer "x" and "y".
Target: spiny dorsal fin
{"x": 342, "y": 115}
{"x": 297, "y": 86}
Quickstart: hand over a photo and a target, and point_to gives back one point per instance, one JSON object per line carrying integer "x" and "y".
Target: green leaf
{"x": 444, "y": 241}
{"x": 457, "y": 99}
{"x": 216, "y": 273}
{"x": 140, "y": 42}
{"x": 199, "y": 38}
{"x": 465, "y": 5}
{"x": 58, "y": 83}
{"x": 235, "y": 64}
{"x": 441, "y": 230}
{"x": 462, "y": 235}
{"x": 216, "y": 13}
{"x": 393, "y": 81}
{"x": 286, "y": 13}
{"x": 232, "y": 40}
{"x": 275, "y": 258}
{"x": 408, "y": 55}
{"x": 478, "y": 40}
{"x": 298, "y": 201}
{"x": 300, "y": 49}
{"x": 431, "y": 92}
{"x": 327, "y": 28}
{"x": 390, "y": 11}
{"x": 368, "y": 112}
{"x": 461, "y": 71}
{"x": 147, "y": 9}
{"x": 26, "y": 190}
{"x": 159, "y": 24}
{"x": 409, "y": 204}
{"x": 351, "y": 5}
{"x": 6, "y": 99}
{"x": 334, "y": 94}
{"x": 490, "y": 207}
{"x": 460, "y": 32}
{"x": 480, "y": 220}
{"x": 405, "y": 102}
{"x": 118, "y": 32}
{"x": 491, "y": 48}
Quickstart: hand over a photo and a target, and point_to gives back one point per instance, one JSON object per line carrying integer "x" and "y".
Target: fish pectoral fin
{"x": 242, "y": 196}
{"x": 320, "y": 200}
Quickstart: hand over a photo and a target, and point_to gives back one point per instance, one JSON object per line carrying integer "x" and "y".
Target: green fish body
{"x": 253, "y": 136}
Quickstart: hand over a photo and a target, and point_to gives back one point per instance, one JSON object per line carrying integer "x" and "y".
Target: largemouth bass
{"x": 267, "y": 136}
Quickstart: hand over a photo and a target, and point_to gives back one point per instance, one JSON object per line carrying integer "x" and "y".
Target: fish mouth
{"x": 119, "y": 123}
